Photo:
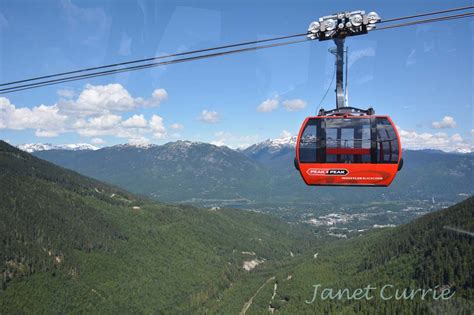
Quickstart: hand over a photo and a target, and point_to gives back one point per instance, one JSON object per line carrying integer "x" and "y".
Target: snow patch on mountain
{"x": 463, "y": 151}
{"x": 185, "y": 143}
{"x": 136, "y": 145}
{"x": 276, "y": 145}
{"x": 272, "y": 145}
{"x": 287, "y": 141}
{"x": 34, "y": 147}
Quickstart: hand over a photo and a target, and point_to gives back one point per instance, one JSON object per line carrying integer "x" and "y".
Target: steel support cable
{"x": 427, "y": 14}
{"x": 140, "y": 67}
{"x": 211, "y": 49}
{"x": 97, "y": 74}
{"x": 153, "y": 58}
{"x": 439, "y": 19}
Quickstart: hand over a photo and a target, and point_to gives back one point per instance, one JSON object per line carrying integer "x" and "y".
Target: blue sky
{"x": 421, "y": 76}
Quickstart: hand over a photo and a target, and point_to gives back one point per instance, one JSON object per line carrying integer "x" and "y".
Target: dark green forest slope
{"x": 72, "y": 244}
{"x": 433, "y": 252}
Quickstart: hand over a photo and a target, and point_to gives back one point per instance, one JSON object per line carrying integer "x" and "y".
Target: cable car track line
{"x": 17, "y": 88}
{"x": 155, "y": 58}
{"x": 427, "y": 14}
{"x": 140, "y": 67}
{"x": 440, "y": 19}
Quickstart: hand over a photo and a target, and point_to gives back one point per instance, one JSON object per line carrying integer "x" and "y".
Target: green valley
{"x": 71, "y": 244}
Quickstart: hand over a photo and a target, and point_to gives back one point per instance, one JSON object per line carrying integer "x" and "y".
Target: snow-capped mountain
{"x": 34, "y": 147}
{"x": 281, "y": 142}
{"x": 278, "y": 153}
{"x": 272, "y": 145}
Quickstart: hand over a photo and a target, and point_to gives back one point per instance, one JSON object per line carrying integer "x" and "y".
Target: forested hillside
{"x": 433, "y": 252}
{"x": 72, "y": 244}
{"x": 176, "y": 171}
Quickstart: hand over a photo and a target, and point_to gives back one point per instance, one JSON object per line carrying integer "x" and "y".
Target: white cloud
{"x": 285, "y": 134}
{"x": 233, "y": 141}
{"x": 139, "y": 140}
{"x": 107, "y": 99}
{"x": 100, "y": 99}
{"x": 98, "y": 141}
{"x": 439, "y": 140}
{"x": 209, "y": 116}
{"x": 46, "y": 133}
{"x": 446, "y": 122}
{"x": 93, "y": 113}
{"x": 268, "y": 105}
{"x": 294, "y": 105}
{"x": 176, "y": 126}
{"x": 39, "y": 117}
{"x": 134, "y": 129}
{"x": 457, "y": 138}
{"x": 159, "y": 95}
{"x": 157, "y": 127}
{"x": 159, "y": 135}
{"x": 136, "y": 121}
{"x": 104, "y": 121}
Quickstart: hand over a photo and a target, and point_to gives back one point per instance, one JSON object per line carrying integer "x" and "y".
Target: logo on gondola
{"x": 327, "y": 172}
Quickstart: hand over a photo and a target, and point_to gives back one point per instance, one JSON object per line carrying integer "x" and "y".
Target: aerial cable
{"x": 32, "y": 85}
{"x": 155, "y": 58}
{"x": 140, "y": 67}
{"x": 427, "y": 14}
{"x": 440, "y": 19}
{"x": 211, "y": 49}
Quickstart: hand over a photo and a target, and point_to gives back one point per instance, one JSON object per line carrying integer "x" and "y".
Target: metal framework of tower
{"x": 337, "y": 27}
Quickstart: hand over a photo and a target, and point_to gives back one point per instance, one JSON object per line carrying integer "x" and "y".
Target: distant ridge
{"x": 273, "y": 145}
{"x": 35, "y": 147}
{"x": 210, "y": 175}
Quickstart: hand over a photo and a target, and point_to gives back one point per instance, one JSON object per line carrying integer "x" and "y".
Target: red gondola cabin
{"x": 348, "y": 150}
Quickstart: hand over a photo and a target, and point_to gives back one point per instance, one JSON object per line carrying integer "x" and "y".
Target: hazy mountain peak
{"x": 34, "y": 147}
{"x": 136, "y": 145}
{"x": 185, "y": 143}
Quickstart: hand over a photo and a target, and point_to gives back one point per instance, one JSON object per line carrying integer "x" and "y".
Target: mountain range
{"x": 35, "y": 147}
{"x": 262, "y": 174}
